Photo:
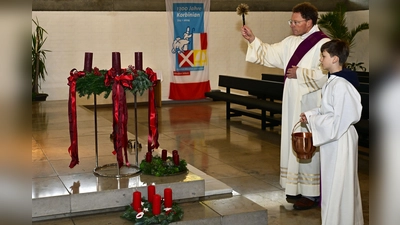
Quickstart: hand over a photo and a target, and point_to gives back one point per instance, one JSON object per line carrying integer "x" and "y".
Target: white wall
{"x": 71, "y": 34}
{"x": 360, "y": 53}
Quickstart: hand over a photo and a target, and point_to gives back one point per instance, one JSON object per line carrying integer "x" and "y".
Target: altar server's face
{"x": 327, "y": 61}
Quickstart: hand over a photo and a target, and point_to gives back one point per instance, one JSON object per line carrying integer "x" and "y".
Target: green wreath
{"x": 158, "y": 167}
{"x": 146, "y": 217}
{"x": 93, "y": 83}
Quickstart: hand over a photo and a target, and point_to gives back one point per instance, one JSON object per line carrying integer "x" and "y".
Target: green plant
{"x": 335, "y": 25}
{"x": 39, "y": 70}
{"x": 355, "y": 66}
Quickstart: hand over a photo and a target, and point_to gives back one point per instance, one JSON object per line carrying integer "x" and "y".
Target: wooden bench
{"x": 258, "y": 91}
{"x": 272, "y": 77}
{"x": 362, "y": 126}
{"x": 363, "y": 76}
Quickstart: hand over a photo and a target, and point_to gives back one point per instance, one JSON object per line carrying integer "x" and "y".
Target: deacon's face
{"x": 299, "y": 25}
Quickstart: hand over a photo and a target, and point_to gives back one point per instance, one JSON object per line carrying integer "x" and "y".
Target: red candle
{"x": 176, "y": 159}
{"x": 88, "y": 62}
{"x": 151, "y": 191}
{"x": 164, "y": 155}
{"x": 157, "y": 204}
{"x": 167, "y": 197}
{"x": 116, "y": 62}
{"x": 139, "y": 60}
{"x": 149, "y": 157}
{"x": 137, "y": 201}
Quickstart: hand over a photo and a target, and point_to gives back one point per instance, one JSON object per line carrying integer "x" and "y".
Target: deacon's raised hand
{"x": 247, "y": 34}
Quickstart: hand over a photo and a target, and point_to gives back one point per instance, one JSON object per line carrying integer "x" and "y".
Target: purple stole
{"x": 303, "y": 48}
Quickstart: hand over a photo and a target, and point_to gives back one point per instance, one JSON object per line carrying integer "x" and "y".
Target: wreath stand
{"x": 112, "y": 169}
{"x": 133, "y": 79}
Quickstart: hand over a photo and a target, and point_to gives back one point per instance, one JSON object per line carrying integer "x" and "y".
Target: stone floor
{"x": 237, "y": 153}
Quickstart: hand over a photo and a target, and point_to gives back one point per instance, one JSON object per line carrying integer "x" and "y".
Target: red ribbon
{"x": 120, "y": 112}
{"x": 153, "y": 118}
{"x": 73, "y": 130}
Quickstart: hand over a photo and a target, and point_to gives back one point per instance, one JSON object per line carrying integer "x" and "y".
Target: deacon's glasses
{"x": 294, "y": 22}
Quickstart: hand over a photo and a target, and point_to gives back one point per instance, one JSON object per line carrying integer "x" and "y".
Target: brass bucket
{"x": 302, "y": 143}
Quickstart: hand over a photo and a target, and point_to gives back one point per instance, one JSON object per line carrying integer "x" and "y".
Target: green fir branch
{"x": 94, "y": 84}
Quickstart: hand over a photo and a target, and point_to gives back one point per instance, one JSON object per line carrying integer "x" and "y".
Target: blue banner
{"x": 188, "y": 21}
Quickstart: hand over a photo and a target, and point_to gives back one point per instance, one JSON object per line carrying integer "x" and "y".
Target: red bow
{"x": 120, "y": 112}
{"x": 74, "y": 75}
{"x": 152, "y": 139}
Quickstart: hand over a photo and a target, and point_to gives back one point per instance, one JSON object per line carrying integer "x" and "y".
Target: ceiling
{"x": 215, "y": 5}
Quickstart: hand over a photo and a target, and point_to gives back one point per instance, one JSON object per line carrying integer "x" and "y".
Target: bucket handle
{"x": 297, "y": 124}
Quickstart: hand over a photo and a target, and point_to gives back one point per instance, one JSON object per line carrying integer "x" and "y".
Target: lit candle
{"x": 137, "y": 201}
{"x": 139, "y": 60}
{"x": 151, "y": 191}
{"x": 164, "y": 155}
{"x": 167, "y": 197}
{"x": 149, "y": 157}
{"x": 116, "y": 62}
{"x": 88, "y": 62}
{"x": 157, "y": 204}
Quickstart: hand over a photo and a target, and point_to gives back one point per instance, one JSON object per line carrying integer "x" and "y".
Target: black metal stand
{"x": 113, "y": 170}
{"x": 137, "y": 144}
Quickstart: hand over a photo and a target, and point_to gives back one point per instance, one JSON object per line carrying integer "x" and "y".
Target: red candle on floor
{"x": 151, "y": 191}
{"x": 88, "y": 62}
{"x": 149, "y": 157}
{"x": 164, "y": 155}
{"x": 167, "y": 197}
{"x": 116, "y": 62}
{"x": 176, "y": 159}
{"x": 137, "y": 201}
{"x": 139, "y": 60}
{"x": 156, "y": 204}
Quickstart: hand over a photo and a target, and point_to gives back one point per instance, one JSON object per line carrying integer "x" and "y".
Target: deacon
{"x": 298, "y": 55}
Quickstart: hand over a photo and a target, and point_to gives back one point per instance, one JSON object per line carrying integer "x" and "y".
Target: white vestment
{"x": 299, "y": 95}
{"x": 333, "y": 131}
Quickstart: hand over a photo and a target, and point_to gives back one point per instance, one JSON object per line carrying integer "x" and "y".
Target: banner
{"x": 188, "y": 26}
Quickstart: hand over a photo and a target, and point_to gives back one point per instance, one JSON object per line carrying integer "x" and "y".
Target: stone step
{"x": 217, "y": 209}
{"x": 114, "y": 193}
{"x": 225, "y": 211}
{"x": 185, "y": 186}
